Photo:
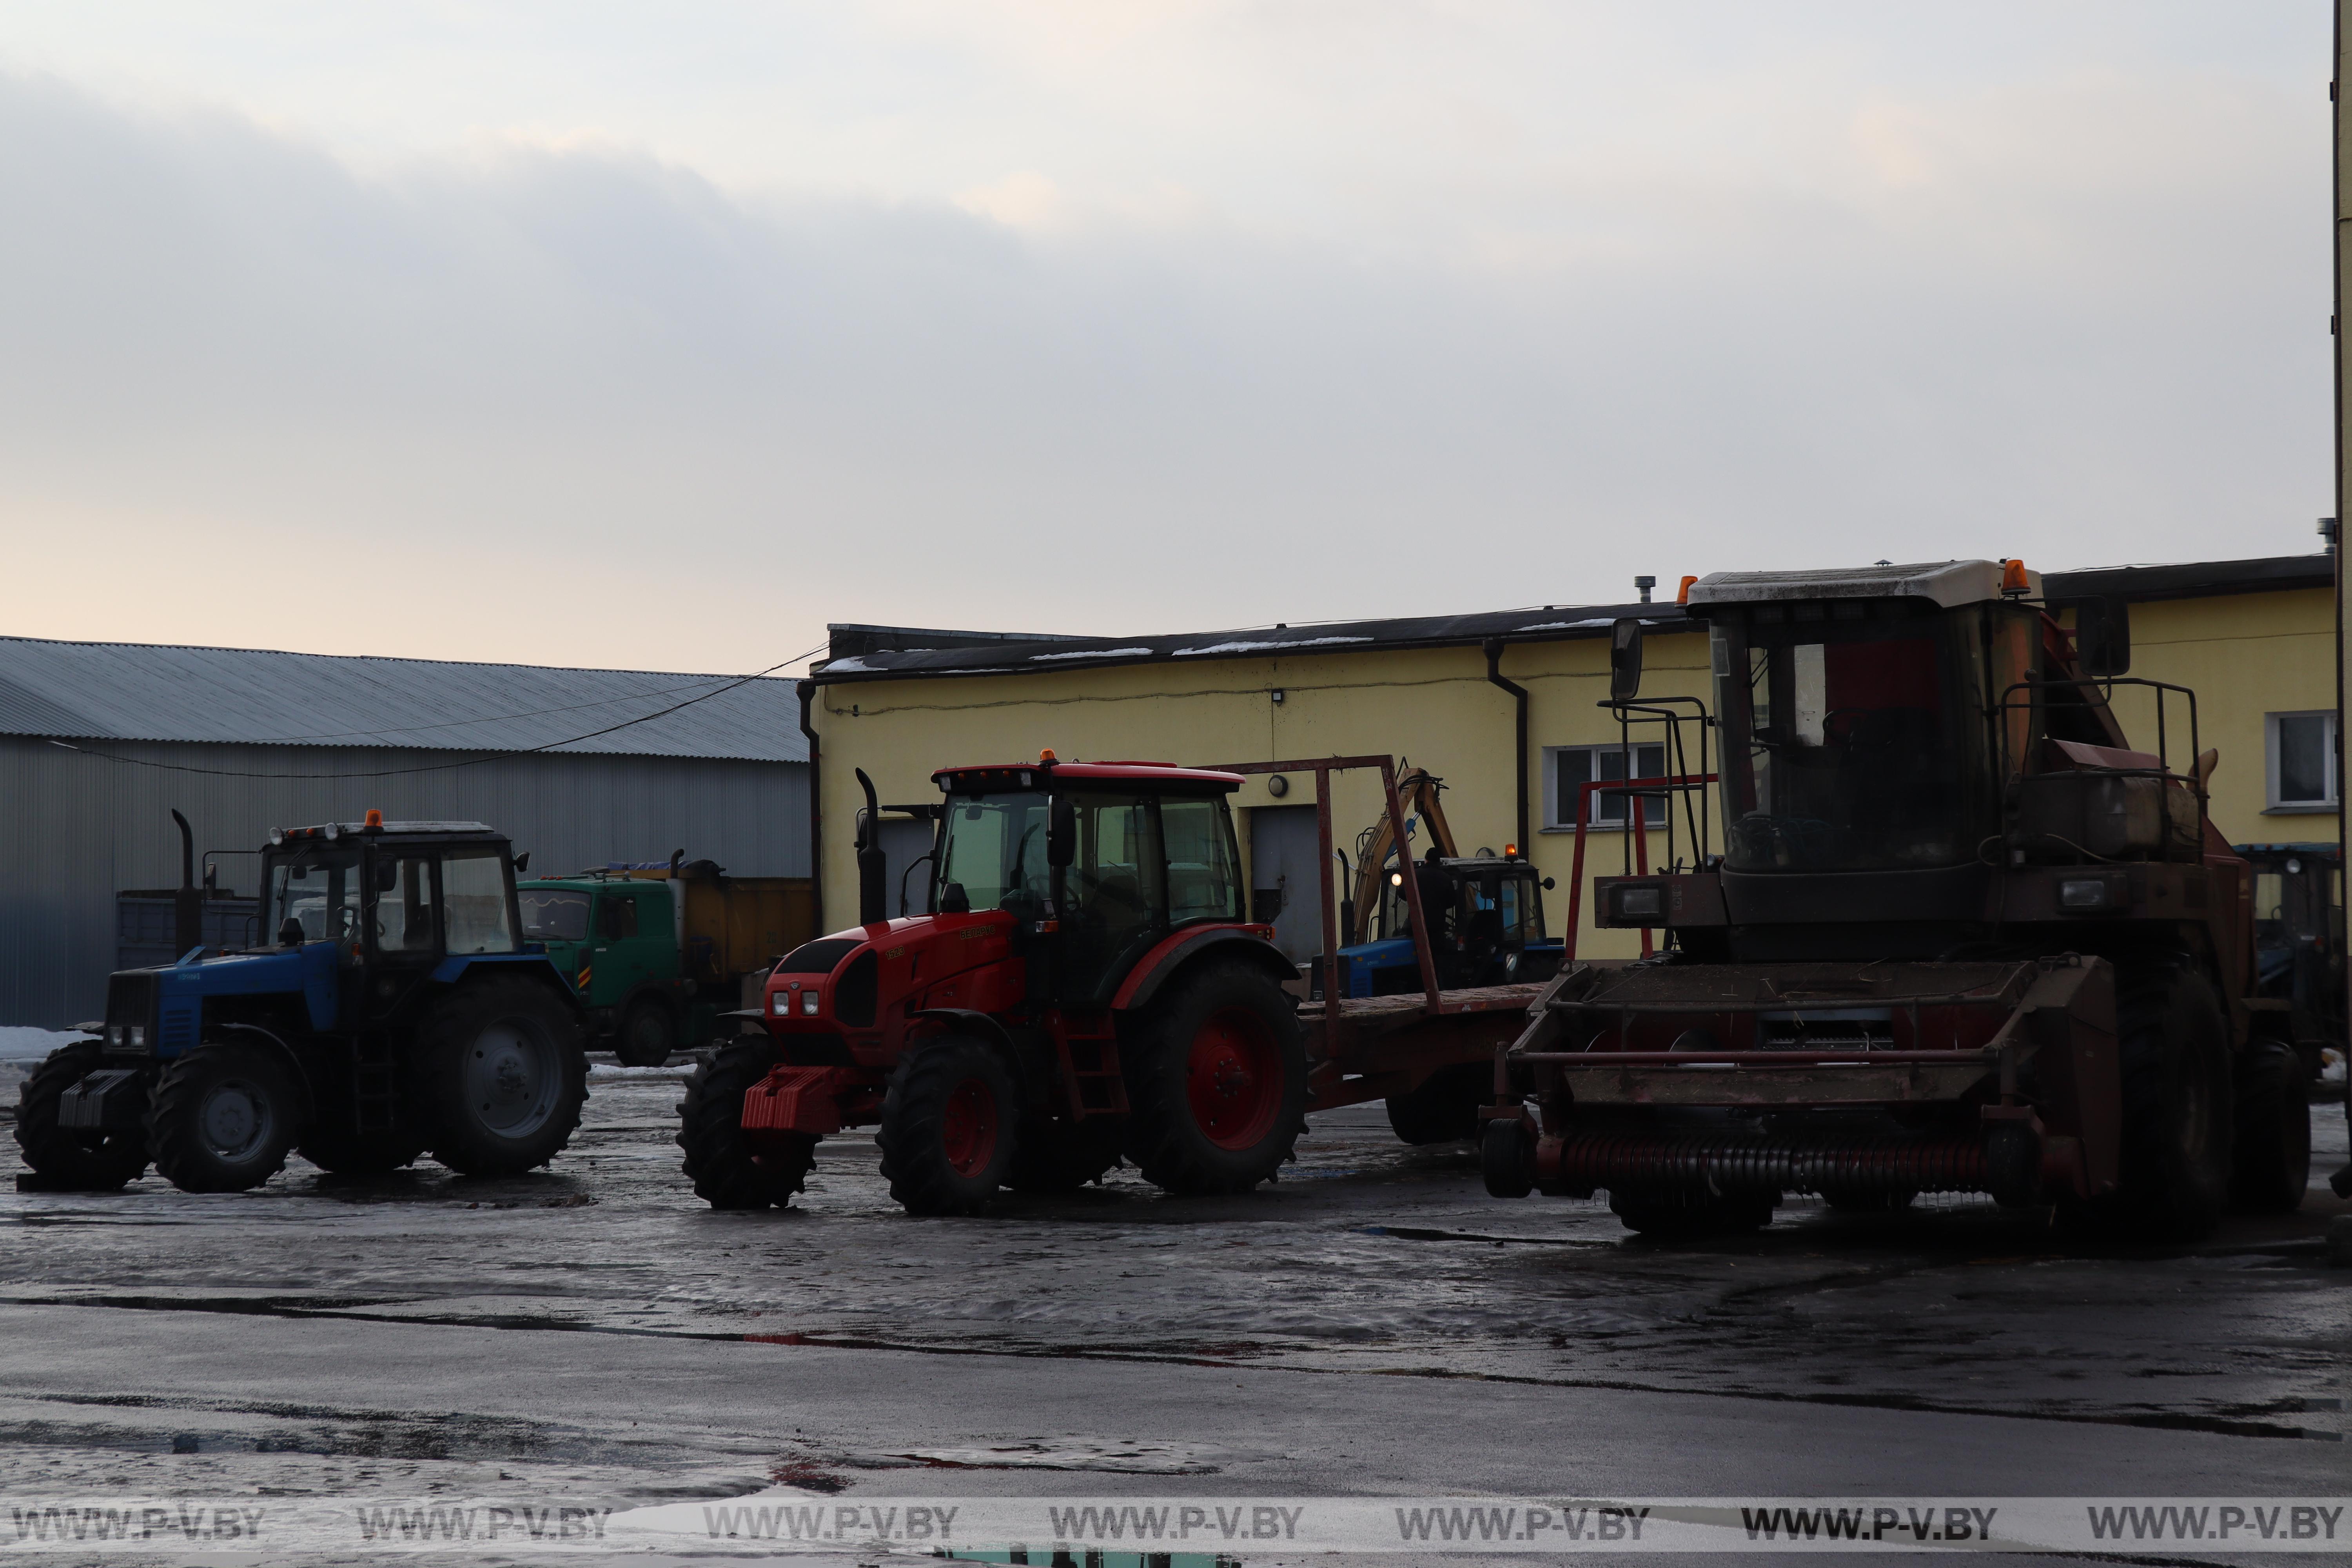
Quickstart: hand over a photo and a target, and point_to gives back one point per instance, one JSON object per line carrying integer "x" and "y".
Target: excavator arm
{"x": 1418, "y": 789}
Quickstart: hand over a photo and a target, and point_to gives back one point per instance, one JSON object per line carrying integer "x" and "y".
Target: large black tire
{"x": 505, "y": 1076}
{"x": 1506, "y": 1157}
{"x": 1217, "y": 1083}
{"x": 950, "y": 1124}
{"x": 223, "y": 1116}
{"x": 1674, "y": 1215}
{"x": 1063, "y": 1156}
{"x": 646, "y": 1035}
{"x": 2177, "y": 1111}
{"x": 727, "y": 1171}
{"x": 1444, "y": 1108}
{"x": 342, "y": 1153}
{"x": 2270, "y": 1167}
{"x": 69, "y": 1158}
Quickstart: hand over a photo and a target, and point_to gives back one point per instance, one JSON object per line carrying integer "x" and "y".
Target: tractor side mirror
{"x": 1062, "y": 832}
{"x": 1624, "y": 660}
{"x": 290, "y": 934}
{"x": 522, "y": 862}
{"x": 2103, "y": 636}
{"x": 387, "y": 876}
{"x": 1549, "y": 884}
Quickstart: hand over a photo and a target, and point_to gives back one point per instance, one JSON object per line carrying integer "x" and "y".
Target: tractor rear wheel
{"x": 70, "y": 1157}
{"x": 1063, "y": 1156}
{"x": 2272, "y": 1164}
{"x": 948, "y": 1127}
{"x": 1443, "y": 1107}
{"x": 1672, "y": 1214}
{"x": 223, "y": 1116}
{"x": 1219, "y": 1085}
{"x": 2177, "y": 1111}
{"x": 646, "y": 1035}
{"x": 728, "y": 1169}
{"x": 504, "y": 1075}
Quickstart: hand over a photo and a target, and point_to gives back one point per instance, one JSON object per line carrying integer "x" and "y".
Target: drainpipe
{"x": 1520, "y": 698}
{"x": 807, "y": 689}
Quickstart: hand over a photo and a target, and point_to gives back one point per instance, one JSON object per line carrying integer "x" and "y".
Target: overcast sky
{"x": 660, "y": 336}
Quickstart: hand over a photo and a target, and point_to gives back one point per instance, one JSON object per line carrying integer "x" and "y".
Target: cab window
{"x": 474, "y": 899}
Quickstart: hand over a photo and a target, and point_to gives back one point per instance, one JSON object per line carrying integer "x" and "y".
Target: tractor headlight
{"x": 138, "y": 1037}
{"x": 2082, "y": 893}
{"x": 278, "y": 835}
{"x": 1647, "y": 900}
{"x": 334, "y": 830}
{"x": 808, "y": 1003}
{"x": 781, "y": 1002}
{"x": 114, "y": 1034}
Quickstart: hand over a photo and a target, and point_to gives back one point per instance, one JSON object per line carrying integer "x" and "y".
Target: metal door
{"x": 1282, "y": 877}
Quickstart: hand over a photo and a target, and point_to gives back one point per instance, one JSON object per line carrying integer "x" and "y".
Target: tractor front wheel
{"x": 70, "y": 1157}
{"x": 948, "y": 1127}
{"x": 505, "y": 1076}
{"x": 1219, "y": 1085}
{"x": 2272, "y": 1168}
{"x": 729, "y": 1172}
{"x": 223, "y": 1116}
{"x": 2177, "y": 1111}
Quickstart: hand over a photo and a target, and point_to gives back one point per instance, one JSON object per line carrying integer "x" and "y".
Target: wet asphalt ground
{"x": 1373, "y": 1324}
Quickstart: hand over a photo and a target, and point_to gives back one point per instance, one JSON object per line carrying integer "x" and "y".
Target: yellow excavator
{"x": 1418, "y": 789}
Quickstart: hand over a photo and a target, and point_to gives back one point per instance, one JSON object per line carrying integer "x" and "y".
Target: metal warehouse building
{"x": 101, "y": 741}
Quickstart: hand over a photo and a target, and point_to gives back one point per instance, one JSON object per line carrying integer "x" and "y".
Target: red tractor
{"x": 1088, "y": 988}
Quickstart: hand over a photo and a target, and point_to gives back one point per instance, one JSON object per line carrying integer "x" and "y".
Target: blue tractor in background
{"x": 397, "y": 1012}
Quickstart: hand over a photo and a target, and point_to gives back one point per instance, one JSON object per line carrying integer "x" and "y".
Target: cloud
{"x": 552, "y": 395}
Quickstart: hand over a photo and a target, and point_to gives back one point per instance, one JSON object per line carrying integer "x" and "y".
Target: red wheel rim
{"x": 968, "y": 1131}
{"x": 1234, "y": 1079}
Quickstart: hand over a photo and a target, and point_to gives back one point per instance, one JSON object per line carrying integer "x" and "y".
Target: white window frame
{"x": 1655, "y": 817}
{"x": 2275, "y": 806}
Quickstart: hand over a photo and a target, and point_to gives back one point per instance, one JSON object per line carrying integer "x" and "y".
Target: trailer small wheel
{"x": 1063, "y": 1156}
{"x": 69, "y": 1157}
{"x": 948, "y": 1127}
{"x": 647, "y": 1035}
{"x": 1506, "y": 1157}
{"x": 223, "y": 1116}
{"x": 2271, "y": 1168}
{"x": 728, "y": 1170}
{"x": 1443, "y": 1107}
{"x": 504, "y": 1075}
{"x": 1218, "y": 1083}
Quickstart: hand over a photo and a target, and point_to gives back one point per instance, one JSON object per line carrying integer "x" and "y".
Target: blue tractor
{"x": 397, "y": 1012}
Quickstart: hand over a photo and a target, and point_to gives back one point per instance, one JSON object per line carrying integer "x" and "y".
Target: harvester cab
{"x": 1955, "y": 932}
{"x": 390, "y": 1007}
{"x": 1089, "y": 984}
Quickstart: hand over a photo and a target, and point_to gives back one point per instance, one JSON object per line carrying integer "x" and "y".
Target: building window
{"x": 2300, "y": 752}
{"x": 1568, "y": 769}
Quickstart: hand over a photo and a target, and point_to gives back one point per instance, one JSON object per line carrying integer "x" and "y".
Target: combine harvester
{"x": 1961, "y": 936}
{"x": 1088, "y": 988}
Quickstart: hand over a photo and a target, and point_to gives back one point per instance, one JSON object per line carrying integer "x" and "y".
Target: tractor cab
{"x": 1486, "y": 928}
{"x": 398, "y": 893}
{"x": 1097, "y": 862}
{"x": 2299, "y": 939}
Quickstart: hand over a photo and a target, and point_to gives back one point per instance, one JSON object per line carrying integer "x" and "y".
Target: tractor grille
{"x": 131, "y": 1005}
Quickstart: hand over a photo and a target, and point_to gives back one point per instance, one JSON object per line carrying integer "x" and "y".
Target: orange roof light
{"x": 1510, "y": 851}
{"x": 1047, "y": 756}
{"x": 2013, "y": 577}
{"x": 374, "y": 818}
{"x": 1681, "y": 595}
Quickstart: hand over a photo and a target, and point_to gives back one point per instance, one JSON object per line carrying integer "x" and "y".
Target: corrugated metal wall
{"x": 74, "y": 828}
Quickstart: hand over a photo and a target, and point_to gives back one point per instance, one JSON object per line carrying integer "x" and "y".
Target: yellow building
{"x": 2254, "y": 639}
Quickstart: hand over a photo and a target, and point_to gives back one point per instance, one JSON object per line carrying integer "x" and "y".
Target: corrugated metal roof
{"x": 134, "y": 691}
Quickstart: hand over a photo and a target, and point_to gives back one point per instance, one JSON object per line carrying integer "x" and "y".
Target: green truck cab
{"x": 659, "y": 953}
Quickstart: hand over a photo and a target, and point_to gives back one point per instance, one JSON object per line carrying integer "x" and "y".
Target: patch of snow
{"x": 1092, "y": 653}
{"x": 603, "y": 1072}
{"x": 22, "y": 1043}
{"x": 1266, "y": 646}
{"x": 1567, "y": 625}
{"x": 850, "y": 666}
